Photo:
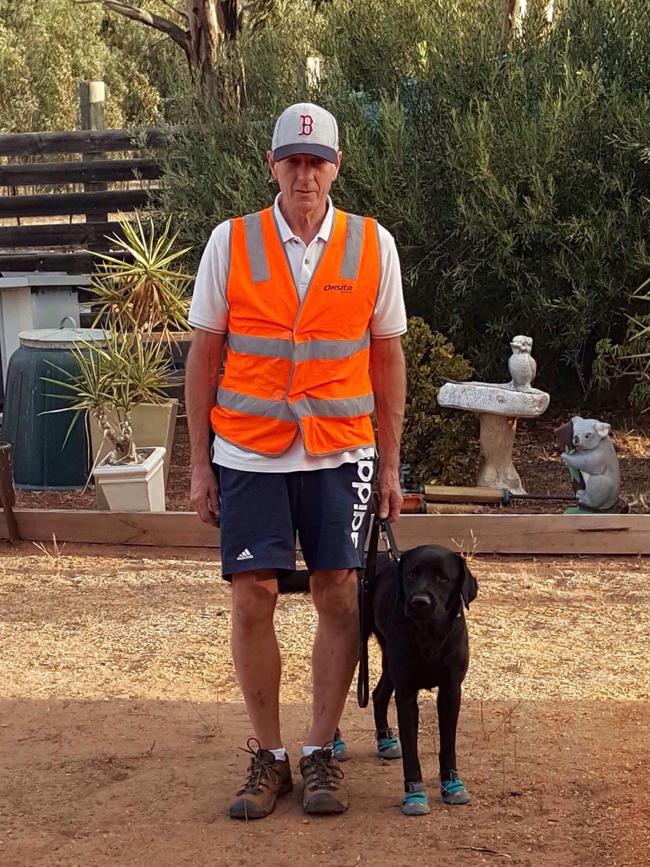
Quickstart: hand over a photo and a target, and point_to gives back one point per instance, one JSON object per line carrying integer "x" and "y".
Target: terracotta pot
{"x": 413, "y": 504}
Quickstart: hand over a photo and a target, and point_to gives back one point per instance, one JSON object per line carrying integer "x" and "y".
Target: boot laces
{"x": 260, "y": 771}
{"x": 324, "y": 771}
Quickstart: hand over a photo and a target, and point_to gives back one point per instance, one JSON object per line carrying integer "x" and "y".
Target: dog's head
{"x": 432, "y": 583}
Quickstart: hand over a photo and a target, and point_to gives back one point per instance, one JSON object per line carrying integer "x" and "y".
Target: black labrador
{"x": 416, "y": 613}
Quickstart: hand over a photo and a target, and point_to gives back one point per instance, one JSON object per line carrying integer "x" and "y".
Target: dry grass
{"x": 107, "y": 625}
{"x": 631, "y": 443}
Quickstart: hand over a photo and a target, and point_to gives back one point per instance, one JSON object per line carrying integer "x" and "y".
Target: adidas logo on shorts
{"x": 245, "y": 555}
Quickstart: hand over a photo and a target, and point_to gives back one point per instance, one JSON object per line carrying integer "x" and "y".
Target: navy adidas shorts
{"x": 263, "y": 513}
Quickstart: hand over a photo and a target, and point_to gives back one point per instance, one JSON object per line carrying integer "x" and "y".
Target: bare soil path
{"x": 121, "y": 721}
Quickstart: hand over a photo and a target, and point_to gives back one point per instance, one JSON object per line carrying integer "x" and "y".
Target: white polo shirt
{"x": 209, "y": 312}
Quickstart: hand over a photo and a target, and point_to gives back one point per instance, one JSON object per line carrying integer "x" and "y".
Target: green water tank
{"x": 42, "y": 457}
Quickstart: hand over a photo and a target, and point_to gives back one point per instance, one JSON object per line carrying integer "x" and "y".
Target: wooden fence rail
{"x": 74, "y": 203}
{"x": 72, "y": 262}
{"x": 76, "y": 172}
{"x": 57, "y": 235}
{"x": 80, "y": 141}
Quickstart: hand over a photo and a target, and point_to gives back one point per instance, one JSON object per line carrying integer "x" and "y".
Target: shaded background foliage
{"x": 48, "y": 47}
{"x": 435, "y": 441}
{"x": 516, "y": 183}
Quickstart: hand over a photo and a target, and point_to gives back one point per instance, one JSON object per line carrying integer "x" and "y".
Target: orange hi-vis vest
{"x": 293, "y": 367}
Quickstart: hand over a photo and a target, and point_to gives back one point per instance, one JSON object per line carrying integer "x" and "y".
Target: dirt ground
{"x": 121, "y": 725}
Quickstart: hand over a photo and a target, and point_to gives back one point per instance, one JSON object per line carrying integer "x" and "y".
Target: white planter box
{"x": 134, "y": 487}
{"x": 153, "y": 424}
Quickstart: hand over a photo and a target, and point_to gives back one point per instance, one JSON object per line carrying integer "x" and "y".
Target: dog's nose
{"x": 420, "y": 600}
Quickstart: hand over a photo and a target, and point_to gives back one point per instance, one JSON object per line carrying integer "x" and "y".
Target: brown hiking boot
{"x": 267, "y": 779}
{"x": 323, "y": 791}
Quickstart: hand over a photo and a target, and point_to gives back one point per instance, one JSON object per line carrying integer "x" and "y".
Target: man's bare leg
{"x": 336, "y": 649}
{"x": 255, "y": 652}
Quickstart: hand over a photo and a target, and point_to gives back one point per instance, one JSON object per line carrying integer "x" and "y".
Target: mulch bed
{"x": 536, "y": 458}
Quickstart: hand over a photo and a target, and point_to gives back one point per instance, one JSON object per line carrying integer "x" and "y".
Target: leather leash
{"x": 381, "y": 529}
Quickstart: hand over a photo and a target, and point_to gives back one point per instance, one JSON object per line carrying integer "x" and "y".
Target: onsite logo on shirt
{"x": 337, "y": 287}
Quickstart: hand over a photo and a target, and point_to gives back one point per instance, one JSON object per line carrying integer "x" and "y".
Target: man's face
{"x": 304, "y": 180}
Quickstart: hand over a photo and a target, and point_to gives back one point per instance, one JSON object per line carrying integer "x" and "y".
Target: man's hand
{"x": 390, "y": 494}
{"x": 204, "y": 494}
{"x": 201, "y": 379}
{"x": 388, "y": 374}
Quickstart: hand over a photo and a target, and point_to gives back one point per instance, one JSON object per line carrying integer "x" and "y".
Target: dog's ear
{"x": 469, "y": 584}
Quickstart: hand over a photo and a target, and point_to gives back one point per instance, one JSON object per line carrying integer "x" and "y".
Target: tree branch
{"x": 173, "y": 8}
{"x": 144, "y": 17}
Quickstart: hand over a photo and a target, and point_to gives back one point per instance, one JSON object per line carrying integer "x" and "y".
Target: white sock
{"x": 280, "y": 754}
{"x": 307, "y": 751}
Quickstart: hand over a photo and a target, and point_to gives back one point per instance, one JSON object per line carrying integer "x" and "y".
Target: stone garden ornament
{"x": 521, "y": 364}
{"x": 498, "y": 406}
{"x": 591, "y": 452}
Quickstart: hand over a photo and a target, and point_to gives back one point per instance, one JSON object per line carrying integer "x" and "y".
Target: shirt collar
{"x": 286, "y": 234}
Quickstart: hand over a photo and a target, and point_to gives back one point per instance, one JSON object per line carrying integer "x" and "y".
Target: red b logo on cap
{"x": 307, "y": 124}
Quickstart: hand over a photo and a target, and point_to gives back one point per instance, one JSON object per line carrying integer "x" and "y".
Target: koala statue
{"x": 592, "y": 454}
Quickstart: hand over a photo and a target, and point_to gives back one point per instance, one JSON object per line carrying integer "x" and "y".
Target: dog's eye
{"x": 443, "y": 578}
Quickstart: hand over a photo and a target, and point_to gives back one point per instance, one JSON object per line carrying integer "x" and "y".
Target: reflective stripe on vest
{"x": 342, "y": 408}
{"x": 257, "y": 254}
{"x": 255, "y": 248}
{"x": 294, "y": 366}
{"x": 278, "y": 348}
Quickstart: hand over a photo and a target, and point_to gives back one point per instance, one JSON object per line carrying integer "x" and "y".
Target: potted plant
{"x": 115, "y": 378}
{"x": 146, "y": 293}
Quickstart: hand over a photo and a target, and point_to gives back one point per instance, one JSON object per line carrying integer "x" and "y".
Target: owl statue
{"x": 521, "y": 364}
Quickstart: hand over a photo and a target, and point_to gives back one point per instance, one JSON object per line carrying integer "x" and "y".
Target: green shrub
{"x": 515, "y": 185}
{"x": 630, "y": 360}
{"x": 436, "y": 441}
{"x": 55, "y": 44}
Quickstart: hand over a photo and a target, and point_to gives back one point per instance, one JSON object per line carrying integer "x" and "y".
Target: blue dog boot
{"x": 388, "y": 747}
{"x": 415, "y": 802}
{"x": 339, "y": 748}
{"x": 453, "y": 789}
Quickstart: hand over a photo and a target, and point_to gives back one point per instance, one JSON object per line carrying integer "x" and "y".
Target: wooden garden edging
{"x": 485, "y": 534}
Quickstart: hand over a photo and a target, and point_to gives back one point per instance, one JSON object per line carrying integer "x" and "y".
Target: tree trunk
{"x": 210, "y": 24}
{"x": 509, "y": 19}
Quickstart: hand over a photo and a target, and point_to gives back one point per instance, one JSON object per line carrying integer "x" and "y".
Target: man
{"x": 307, "y": 301}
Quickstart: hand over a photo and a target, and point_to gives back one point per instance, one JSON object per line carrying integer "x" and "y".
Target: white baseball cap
{"x": 305, "y": 128}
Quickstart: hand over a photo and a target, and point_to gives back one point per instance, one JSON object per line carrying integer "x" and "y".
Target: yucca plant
{"x": 114, "y": 377}
{"x": 146, "y": 291}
